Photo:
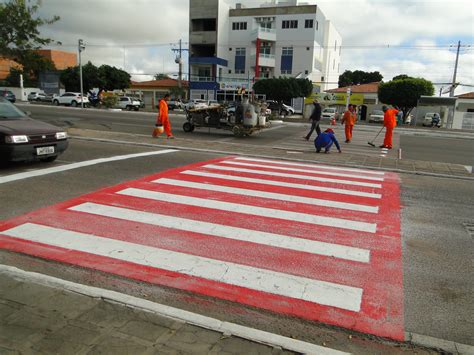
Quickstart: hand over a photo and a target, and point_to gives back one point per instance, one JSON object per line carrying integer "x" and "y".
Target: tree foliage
{"x": 32, "y": 64}
{"x": 402, "y": 77}
{"x": 283, "y": 89}
{"x": 19, "y": 31}
{"x": 358, "y": 77}
{"x": 160, "y": 76}
{"x": 104, "y": 77}
{"x": 404, "y": 93}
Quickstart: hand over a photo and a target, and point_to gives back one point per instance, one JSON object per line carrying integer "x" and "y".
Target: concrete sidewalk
{"x": 40, "y": 319}
{"x": 309, "y": 155}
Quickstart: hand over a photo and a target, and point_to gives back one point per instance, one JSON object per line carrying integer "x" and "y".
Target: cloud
{"x": 108, "y": 26}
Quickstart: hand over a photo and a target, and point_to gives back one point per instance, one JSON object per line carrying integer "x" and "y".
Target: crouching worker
{"x": 326, "y": 140}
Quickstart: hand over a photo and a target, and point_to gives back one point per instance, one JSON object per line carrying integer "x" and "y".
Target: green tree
{"x": 160, "y": 76}
{"x": 283, "y": 89}
{"x": 114, "y": 78}
{"x": 405, "y": 93}
{"x": 401, "y": 77}
{"x": 70, "y": 78}
{"x": 358, "y": 77}
{"x": 32, "y": 64}
{"x": 19, "y": 31}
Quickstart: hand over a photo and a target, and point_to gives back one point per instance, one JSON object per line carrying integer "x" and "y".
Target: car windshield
{"x": 9, "y": 111}
{"x": 377, "y": 113}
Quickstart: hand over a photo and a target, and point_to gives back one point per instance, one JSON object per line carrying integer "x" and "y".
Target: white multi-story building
{"x": 231, "y": 46}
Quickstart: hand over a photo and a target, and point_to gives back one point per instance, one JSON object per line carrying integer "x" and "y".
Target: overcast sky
{"x": 138, "y": 35}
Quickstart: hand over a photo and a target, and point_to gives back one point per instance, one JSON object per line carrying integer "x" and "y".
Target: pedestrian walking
{"x": 162, "y": 119}
{"x": 326, "y": 140}
{"x": 389, "y": 122}
{"x": 399, "y": 117}
{"x": 349, "y": 119}
{"x": 315, "y": 119}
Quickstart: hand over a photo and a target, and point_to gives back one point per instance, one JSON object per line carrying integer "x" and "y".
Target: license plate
{"x": 44, "y": 150}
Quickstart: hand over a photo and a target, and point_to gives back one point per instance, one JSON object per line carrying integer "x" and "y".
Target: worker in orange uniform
{"x": 349, "y": 119}
{"x": 163, "y": 118}
{"x": 389, "y": 122}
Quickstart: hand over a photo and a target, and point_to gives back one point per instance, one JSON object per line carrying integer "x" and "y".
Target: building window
{"x": 230, "y": 49}
{"x": 286, "y": 72}
{"x": 239, "y": 26}
{"x": 266, "y": 48}
{"x": 239, "y": 71}
{"x": 317, "y": 25}
{"x": 306, "y": 72}
{"x": 335, "y": 46}
{"x": 240, "y": 51}
{"x": 230, "y": 71}
{"x": 289, "y": 24}
{"x": 334, "y": 63}
{"x": 287, "y": 51}
{"x": 307, "y": 48}
{"x": 308, "y": 23}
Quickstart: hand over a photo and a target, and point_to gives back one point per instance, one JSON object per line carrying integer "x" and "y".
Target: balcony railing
{"x": 202, "y": 78}
{"x": 267, "y": 34}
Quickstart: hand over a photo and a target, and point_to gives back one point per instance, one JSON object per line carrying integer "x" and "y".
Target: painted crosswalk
{"x": 312, "y": 241}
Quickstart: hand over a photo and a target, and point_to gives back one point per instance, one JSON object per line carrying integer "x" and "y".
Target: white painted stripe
{"x": 293, "y": 176}
{"x": 251, "y": 210}
{"x": 283, "y": 184}
{"x": 81, "y": 164}
{"x": 199, "y": 320}
{"x": 270, "y": 195}
{"x": 374, "y": 178}
{"x": 229, "y": 232}
{"x": 362, "y": 171}
{"x": 321, "y": 292}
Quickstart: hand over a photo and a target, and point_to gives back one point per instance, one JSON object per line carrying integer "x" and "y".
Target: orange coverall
{"x": 163, "y": 118}
{"x": 349, "y": 119}
{"x": 390, "y": 122}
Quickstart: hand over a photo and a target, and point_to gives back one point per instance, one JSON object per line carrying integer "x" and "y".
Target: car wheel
{"x": 38, "y": 100}
{"x": 128, "y": 108}
{"x": 49, "y": 159}
{"x": 74, "y": 104}
{"x": 56, "y": 102}
{"x": 136, "y": 108}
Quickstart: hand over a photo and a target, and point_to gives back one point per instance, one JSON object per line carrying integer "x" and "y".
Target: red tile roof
{"x": 468, "y": 95}
{"x": 370, "y": 88}
{"x": 163, "y": 83}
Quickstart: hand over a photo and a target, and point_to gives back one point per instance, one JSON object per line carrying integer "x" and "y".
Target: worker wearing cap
{"x": 326, "y": 140}
{"x": 315, "y": 120}
{"x": 389, "y": 122}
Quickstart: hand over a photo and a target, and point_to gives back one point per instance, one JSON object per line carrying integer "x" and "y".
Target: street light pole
{"x": 81, "y": 47}
{"x": 453, "y": 86}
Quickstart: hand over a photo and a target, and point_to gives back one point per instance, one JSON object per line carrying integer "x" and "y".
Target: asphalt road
{"x": 435, "y": 212}
{"x": 439, "y": 149}
{"x": 437, "y": 250}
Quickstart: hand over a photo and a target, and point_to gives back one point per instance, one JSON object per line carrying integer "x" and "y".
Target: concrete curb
{"x": 435, "y": 343}
{"x": 213, "y": 324}
{"x": 469, "y": 178}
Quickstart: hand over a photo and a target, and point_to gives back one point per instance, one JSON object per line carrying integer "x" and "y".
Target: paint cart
{"x": 246, "y": 121}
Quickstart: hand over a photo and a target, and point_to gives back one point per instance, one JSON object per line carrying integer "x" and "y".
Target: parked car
{"x": 280, "y": 108}
{"x": 7, "y": 94}
{"x": 36, "y": 96}
{"x": 48, "y": 97}
{"x": 328, "y": 113}
{"x": 376, "y": 116}
{"x": 128, "y": 103}
{"x": 431, "y": 119}
{"x": 173, "y": 105}
{"x": 71, "y": 99}
{"x": 23, "y": 138}
{"x": 196, "y": 103}
{"x": 142, "y": 103}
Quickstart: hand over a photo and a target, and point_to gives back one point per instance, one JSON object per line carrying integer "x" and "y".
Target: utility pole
{"x": 453, "y": 86}
{"x": 80, "y": 48}
{"x": 179, "y": 61}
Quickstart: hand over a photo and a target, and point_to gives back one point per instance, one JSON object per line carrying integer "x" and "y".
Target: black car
{"x": 7, "y": 94}
{"x": 23, "y": 138}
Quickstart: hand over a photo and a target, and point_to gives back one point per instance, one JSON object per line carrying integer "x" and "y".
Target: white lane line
{"x": 229, "y": 232}
{"x": 321, "y": 292}
{"x": 81, "y": 164}
{"x": 374, "y": 178}
{"x": 293, "y": 176}
{"x": 283, "y": 184}
{"x": 252, "y": 210}
{"x": 270, "y": 195}
{"x": 311, "y": 165}
{"x": 196, "y": 319}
